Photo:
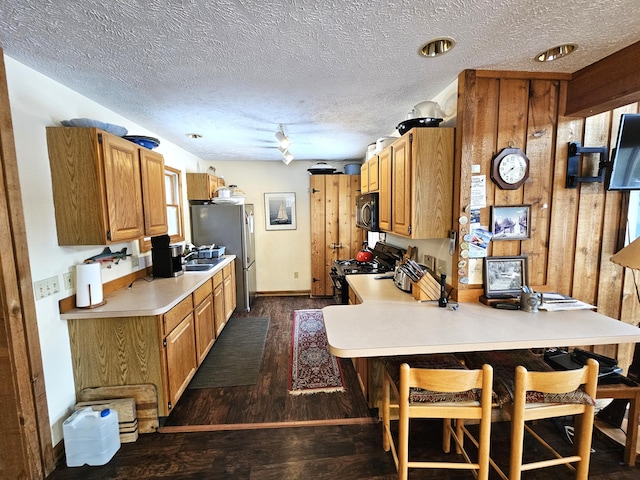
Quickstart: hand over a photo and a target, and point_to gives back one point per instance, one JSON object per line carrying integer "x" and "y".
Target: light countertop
{"x": 391, "y": 322}
{"x": 145, "y": 297}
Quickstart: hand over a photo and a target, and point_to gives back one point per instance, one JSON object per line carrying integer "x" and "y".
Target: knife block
{"x": 426, "y": 289}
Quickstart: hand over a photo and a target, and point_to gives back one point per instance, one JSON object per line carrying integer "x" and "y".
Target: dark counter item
{"x": 404, "y": 127}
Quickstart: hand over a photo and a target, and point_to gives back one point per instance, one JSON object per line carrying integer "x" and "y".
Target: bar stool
{"x": 539, "y": 395}
{"x": 452, "y": 392}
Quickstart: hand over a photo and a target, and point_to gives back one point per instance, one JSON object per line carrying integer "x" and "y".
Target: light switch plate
{"x": 46, "y": 287}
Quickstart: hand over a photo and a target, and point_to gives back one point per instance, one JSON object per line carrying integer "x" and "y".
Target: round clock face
{"x": 512, "y": 168}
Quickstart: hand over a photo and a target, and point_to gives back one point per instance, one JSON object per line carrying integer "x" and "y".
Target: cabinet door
{"x": 364, "y": 178}
{"x": 122, "y": 188}
{"x": 180, "y": 350}
{"x": 374, "y": 178}
{"x": 218, "y": 309}
{"x": 401, "y": 186}
{"x": 205, "y": 327}
{"x": 350, "y": 237}
{"x": 384, "y": 197}
{"x": 228, "y": 285}
{"x": 321, "y": 255}
{"x": 154, "y": 199}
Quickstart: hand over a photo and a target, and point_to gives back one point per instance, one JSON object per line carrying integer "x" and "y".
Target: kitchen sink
{"x": 198, "y": 267}
{"x": 202, "y": 264}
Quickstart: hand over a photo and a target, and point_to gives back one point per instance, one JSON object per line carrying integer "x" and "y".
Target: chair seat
{"x": 504, "y": 363}
{"x": 431, "y": 361}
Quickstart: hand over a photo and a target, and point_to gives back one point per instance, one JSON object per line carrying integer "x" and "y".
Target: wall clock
{"x": 510, "y": 168}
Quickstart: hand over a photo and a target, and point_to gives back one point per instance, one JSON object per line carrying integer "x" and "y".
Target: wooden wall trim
{"x": 609, "y": 83}
{"x": 510, "y": 74}
{"x": 26, "y": 449}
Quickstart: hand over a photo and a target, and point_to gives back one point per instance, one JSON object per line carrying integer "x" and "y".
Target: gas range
{"x": 385, "y": 257}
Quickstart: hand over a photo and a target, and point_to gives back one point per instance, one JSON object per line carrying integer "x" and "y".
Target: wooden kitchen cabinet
{"x": 98, "y": 187}
{"x": 180, "y": 358}
{"x": 202, "y": 186}
{"x": 334, "y": 235}
{"x": 373, "y": 182}
{"x": 229, "y": 282}
{"x": 384, "y": 189}
{"x": 219, "y": 319}
{"x": 422, "y": 183}
{"x": 364, "y": 178}
{"x": 154, "y": 198}
{"x": 204, "y": 320}
{"x": 165, "y": 349}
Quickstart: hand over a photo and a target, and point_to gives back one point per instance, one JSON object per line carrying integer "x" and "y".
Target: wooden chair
{"x": 429, "y": 403}
{"x": 558, "y": 388}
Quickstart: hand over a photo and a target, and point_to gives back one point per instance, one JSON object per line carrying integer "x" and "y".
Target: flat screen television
{"x": 624, "y": 169}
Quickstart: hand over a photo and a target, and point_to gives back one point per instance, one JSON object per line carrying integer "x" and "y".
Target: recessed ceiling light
{"x": 437, "y": 47}
{"x": 556, "y": 52}
{"x": 194, "y": 135}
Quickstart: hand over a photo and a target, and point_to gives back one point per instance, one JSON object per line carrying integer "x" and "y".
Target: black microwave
{"x": 367, "y": 212}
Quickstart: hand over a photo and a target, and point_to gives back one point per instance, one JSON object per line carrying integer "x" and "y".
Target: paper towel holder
{"x": 89, "y": 276}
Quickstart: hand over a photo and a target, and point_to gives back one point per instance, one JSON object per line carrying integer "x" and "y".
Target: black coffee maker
{"x": 166, "y": 259}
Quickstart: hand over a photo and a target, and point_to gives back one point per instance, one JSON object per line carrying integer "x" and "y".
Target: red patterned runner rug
{"x": 313, "y": 368}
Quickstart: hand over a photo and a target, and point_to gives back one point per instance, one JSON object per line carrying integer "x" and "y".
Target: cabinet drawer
{"x": 217, "y": 280}
{"x": 174, "y": 316}
{"x": 202, "y": 292}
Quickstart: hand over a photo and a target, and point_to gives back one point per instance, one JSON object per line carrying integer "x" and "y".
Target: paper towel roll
{"x": 89, "y": 285}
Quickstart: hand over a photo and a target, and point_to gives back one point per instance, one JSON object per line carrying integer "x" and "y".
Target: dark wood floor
{"x": 349, "y": 451}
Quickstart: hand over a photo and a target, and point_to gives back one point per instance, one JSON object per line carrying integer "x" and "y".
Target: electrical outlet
{"x": 68, "y": 281}
{"x": 430, "y": 262}
{"x": 441, "y": 266}
{"x": 135, "y": 261}
{"x": 46, "y": 287}
{"x": 295, "y": 274}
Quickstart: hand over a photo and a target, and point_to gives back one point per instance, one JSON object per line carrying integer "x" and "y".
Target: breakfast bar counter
{"x": 391, "y": 322}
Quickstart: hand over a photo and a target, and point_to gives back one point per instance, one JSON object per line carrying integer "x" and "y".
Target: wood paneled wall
{"x": 573, "y": 231}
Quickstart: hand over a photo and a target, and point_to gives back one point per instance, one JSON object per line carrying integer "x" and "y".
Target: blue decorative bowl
{"x": 147, "y": 142}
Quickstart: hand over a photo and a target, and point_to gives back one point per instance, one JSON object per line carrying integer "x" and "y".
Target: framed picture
{"x": 504, "y": 277}
{"x": 280, "y": 211}
{"x": 511, "y": 222}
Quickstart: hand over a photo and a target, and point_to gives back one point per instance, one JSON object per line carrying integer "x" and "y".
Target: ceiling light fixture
{"x": 283, "y": 140}
{"x": 556, "y": 52}
{"x": 287, "y": 157}
{"x": 437, "y": 47}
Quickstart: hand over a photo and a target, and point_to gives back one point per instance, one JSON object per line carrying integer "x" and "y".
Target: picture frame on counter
{"x": 504, "y": 277}
{"x": 511, "y": 222}
{"x": 280, "y": 211}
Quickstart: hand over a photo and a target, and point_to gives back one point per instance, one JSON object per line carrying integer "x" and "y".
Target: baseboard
{"x": 285, "y": 293}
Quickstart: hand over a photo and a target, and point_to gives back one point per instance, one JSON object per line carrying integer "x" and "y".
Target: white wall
{"x": 38, "y": 102}
{"x": 280, "y": 253}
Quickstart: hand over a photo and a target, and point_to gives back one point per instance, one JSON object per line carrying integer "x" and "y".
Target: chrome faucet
{"x": 184, "y": 259}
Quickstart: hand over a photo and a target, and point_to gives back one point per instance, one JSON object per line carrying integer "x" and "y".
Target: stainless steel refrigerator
{"x": 233, "y": 227}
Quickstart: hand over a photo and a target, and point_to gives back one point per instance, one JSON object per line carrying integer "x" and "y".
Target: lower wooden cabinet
{"x": 219, "y": 316}
{"x": 181, "y": 361}
{"x": 165, "y": 350}
{"x": 229, "y": 281}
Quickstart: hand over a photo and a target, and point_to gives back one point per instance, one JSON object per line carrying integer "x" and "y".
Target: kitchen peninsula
{"x": 152, "y": 332}
{"x": 391, "y": 322}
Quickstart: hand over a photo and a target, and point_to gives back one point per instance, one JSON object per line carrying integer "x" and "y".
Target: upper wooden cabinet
{"x": 98, "y": 185}
{"x": 202, "y": 186}
{"x": 372, "y": 167}
{"x": 154, "y": 199}
{"x": 364, "y": 178}
{"x": 384, "y": 190}
{"x": 422, "y": 183}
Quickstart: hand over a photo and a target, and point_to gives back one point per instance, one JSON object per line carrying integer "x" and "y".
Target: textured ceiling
{"x": 337, "y": 74}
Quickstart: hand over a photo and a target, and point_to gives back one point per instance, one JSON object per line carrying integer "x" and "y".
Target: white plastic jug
{"x": 91, "y": 437}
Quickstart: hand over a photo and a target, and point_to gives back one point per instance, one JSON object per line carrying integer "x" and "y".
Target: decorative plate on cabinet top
{"x": 88, "y": 122}
{"x": 147, "y": 142}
